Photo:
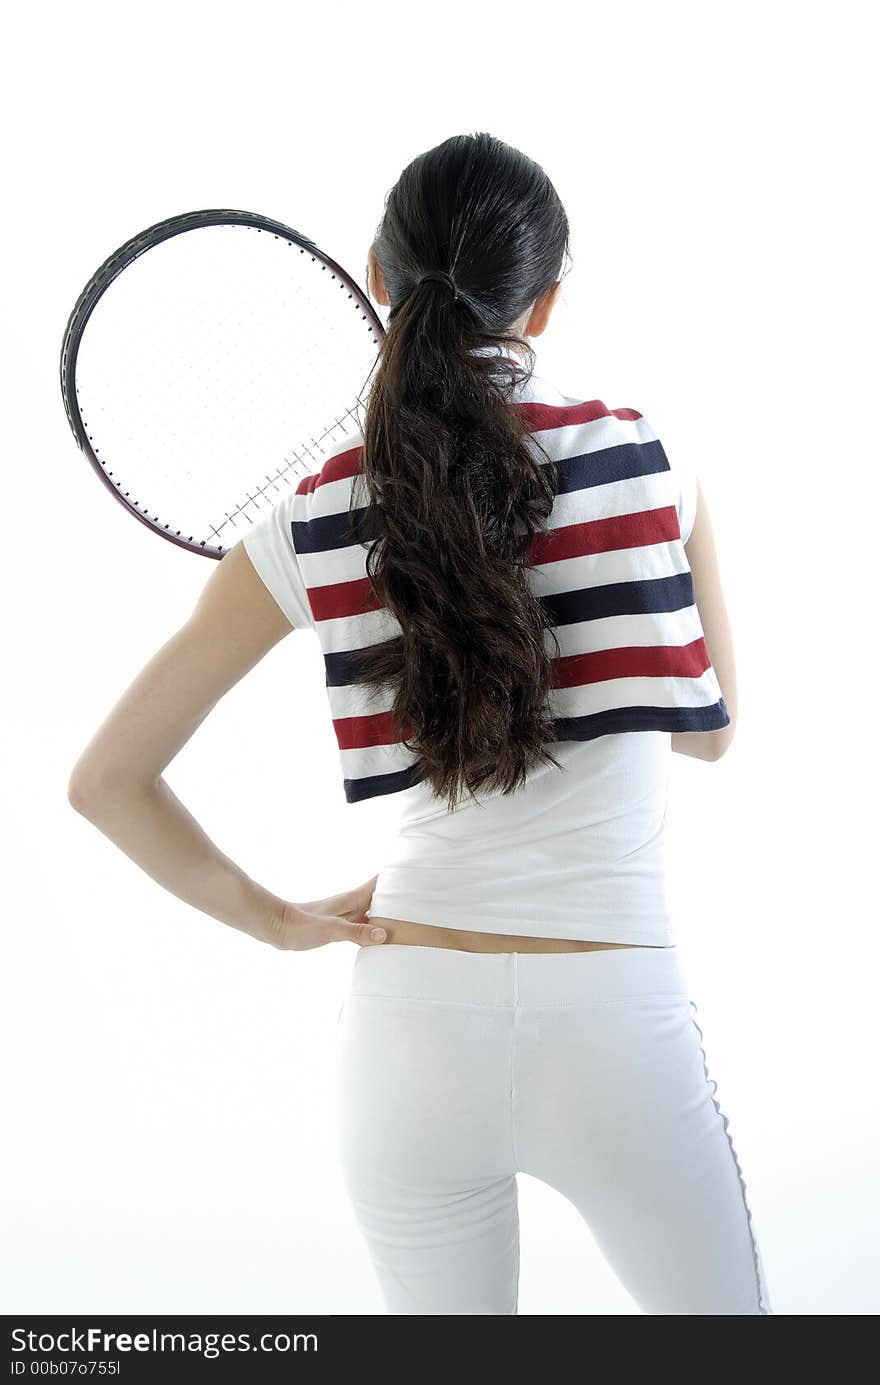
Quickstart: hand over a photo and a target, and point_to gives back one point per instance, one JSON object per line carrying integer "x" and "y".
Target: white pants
{"x": 456, "y": 1070}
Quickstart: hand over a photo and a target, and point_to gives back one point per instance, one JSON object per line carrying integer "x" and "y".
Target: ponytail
{"x": 456, "y": 486}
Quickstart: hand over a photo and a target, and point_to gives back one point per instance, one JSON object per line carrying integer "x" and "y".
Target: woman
{"x": 515, "y": 639}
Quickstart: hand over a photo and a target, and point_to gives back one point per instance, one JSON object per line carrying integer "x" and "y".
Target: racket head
{"x": 158, "y": 345}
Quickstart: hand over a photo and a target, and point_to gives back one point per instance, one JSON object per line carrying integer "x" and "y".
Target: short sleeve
{"x": 686, "y": 499}
{"x": 269, "y": 545}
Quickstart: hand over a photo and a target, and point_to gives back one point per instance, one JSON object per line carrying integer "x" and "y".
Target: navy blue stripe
{"x": 608, "y": 723}
{"x": 371, "y": 785}
{"x": 341, "y": 668}
{"x": 325, "y": 533}
{"x": 645, "y": 597}
{"x": 609, "y": 464}
{"x": 619, "y": 719}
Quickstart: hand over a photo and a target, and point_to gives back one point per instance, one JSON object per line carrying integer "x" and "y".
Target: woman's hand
{"x": 339, "y": 918}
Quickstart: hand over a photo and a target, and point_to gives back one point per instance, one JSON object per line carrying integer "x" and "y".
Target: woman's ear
{"x": 375, "y": 282}
{"x": 541, "y": 310}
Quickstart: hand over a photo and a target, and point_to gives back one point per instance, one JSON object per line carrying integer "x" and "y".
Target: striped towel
{"x": 609, "y": 567}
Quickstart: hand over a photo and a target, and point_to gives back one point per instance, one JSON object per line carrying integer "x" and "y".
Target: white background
{"x": 168, "y": 1081}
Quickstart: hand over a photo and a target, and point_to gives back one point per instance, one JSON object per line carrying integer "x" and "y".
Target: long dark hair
{"x": 456, "y": 486}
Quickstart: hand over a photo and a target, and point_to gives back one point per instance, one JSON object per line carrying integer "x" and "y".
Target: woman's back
{"x": 576, "y": 852}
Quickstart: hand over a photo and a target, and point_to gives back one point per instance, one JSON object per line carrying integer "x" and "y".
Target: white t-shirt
{"x": 575, "y": 853}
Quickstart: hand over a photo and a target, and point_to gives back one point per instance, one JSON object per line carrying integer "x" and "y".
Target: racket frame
{"x": 100, "y": 282}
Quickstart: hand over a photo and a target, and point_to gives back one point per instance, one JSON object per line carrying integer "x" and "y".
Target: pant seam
{"x": 515, "y": 1019}
{"x": 763, "y": 1304}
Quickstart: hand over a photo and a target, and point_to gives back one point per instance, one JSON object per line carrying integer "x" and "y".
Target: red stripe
{"x": 337, "y": 468}
{"x": 632, "y": 661}
{"x": 636, "y": 530}
{"x": 541, "y": 416}
{"x": 343, "y": 599}
{"x": 356, "y": 733}
{"x": 340, "y": 467}
{"x": 573, "y": 671}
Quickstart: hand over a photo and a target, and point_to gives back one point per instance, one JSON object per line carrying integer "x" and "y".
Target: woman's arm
{"x": 117, "y": 781}
{"x": 703, "y": 561}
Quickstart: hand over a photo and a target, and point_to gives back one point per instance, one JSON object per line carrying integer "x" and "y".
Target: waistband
{"x": 517, "y": 978}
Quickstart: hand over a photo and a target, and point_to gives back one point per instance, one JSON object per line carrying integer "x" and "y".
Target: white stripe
{"x": 614, "y": 499}
{"x": 375, "y": 759}
{"x": 330, "y": 498}
{"x": 356, "y": 700}
{"x": 332, "y": 565}
{"x": 356, "y": 632}
{"x": 641, "y": 564}
{"x": 623, "y": 693}
{"x": 622, "y": 632}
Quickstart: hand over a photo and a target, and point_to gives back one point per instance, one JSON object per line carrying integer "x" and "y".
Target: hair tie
{"x": 442, "y": 277}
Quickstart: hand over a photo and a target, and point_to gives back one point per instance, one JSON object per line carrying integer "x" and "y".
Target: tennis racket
{"x": 208, "y": 365}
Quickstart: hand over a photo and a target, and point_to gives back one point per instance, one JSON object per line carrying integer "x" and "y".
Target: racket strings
{"x": 275, "y": 485}
{"x": 217, "y": 369}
